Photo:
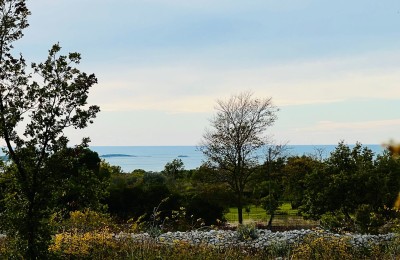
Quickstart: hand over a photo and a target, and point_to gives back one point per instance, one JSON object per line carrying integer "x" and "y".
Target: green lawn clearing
{"x": 284, "y": 216}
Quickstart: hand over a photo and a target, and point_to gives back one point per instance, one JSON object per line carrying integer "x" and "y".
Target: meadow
{"x": 285, "y": 217}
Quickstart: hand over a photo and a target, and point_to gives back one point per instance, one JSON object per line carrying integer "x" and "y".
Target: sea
{"x": 154, "y": 158}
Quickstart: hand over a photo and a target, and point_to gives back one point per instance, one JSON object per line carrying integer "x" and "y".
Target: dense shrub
{"x": 247, "y": 232}
{"x": 98, "y": 244}
{"x": 322, "y": 247}
{"x": 134, "y": 194}
{"x": 207, "y": 210}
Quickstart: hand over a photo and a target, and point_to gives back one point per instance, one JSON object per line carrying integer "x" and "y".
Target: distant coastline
{"x": 154, "y": 158}
{"x": 115, "y": 155}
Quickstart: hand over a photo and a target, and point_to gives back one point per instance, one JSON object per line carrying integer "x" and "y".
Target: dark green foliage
{"x": 268, "y": 185}
{"x": 40, "y": 109}
{"x": 134, "y": 194}
{"x": 81, "y": 184}
{"x": 70, "y": 181}
{"x": 367, "y": 219}
{"x": 333, "y": 221}
{"x": 294, "y": 173}
{"x": 207, "y": 210}
{"x": 174, "y": 169}
{"x": 352, "y": 189}
{"x": 354, "y": 184}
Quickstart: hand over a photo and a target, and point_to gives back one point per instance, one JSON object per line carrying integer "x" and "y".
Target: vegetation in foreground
{"x": 91, "y": 235}
{"x": 99, "y": 246}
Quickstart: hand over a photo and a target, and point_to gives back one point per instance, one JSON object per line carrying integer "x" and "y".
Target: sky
{"x": 331, "y": 67}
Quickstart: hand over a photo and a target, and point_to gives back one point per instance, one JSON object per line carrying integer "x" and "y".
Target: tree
{"x": 274, "y": 162}
{"x": 238, "y": 132}
{"x": 174, "y": 169}
{"x": 354, "y": 185}
{"x": 340, "y": 184}
{"x": 81, "y": 184}
{"x": 33, "y": 116}
{"x": 134, "y": 194}
{"x": 294, "y": 173}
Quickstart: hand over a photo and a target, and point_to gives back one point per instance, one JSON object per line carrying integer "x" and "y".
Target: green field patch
{"x": 284, "y": 216}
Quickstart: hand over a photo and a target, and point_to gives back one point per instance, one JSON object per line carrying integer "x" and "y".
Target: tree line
{"x": 352, "y": 189}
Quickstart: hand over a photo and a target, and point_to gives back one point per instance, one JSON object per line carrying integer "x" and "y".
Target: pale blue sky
{"x": 332, "y": 67}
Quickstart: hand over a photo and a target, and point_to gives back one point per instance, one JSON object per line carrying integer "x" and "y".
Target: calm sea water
{"x": 154, "y": 158}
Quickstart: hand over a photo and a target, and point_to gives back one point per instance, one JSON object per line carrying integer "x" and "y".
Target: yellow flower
{"x": 397, "y": 202}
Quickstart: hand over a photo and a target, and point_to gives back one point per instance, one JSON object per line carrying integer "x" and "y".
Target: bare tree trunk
{"x": 31, "y": 228}
{"x": 240, "y": 214}
{"x": 269, "y": 226}
{"x": 240, "y": 209}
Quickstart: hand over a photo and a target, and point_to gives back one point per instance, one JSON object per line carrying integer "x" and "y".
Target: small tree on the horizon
{"x": 238, "y": 131}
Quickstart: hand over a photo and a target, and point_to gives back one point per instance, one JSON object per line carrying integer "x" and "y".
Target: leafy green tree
{"x": 294, "y": 174}
{"x": 208, "y": 197}
{"x": 33, "y": 117}
{"x": 108, "y": 169}
{"x": 238, "y": 131}
{"x": 81, "y": 184}
{"x": 267, "y": 186}
{"x": 385, "y": 184}
{"x": 132, "y": 195}
{"x": 174, "y": 169}
{"x": 341, "y": 184}
{"x": 353, "y": 184}
{"x": 175, "y": 174}
{"x": 201, "y": 197}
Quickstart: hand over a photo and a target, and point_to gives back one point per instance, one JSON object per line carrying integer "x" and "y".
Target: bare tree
{"x": 238, "y": 131}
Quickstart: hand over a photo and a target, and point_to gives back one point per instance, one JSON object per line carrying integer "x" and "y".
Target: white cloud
{"x": 194, "y": 88}
{"x": 331, "y": 132}
{"x": 151, "y": 103}
{"x": 332, "y": 126}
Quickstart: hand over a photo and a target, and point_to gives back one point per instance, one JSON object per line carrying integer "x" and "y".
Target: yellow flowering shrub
{"x": 3, "y": 245}
{"x": 75, "y": 243}
{"x": 84, "y": 221}
{"x": 84, "y": 234}
{"x": 323, "y": 247}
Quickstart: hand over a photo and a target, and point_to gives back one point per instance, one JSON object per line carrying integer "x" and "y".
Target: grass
{"x": 286, "y": 209}
{"x": 255, "y": 214}
{"x": 284, "y": 216}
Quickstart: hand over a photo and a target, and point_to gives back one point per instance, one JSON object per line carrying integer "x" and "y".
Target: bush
{"x": 158, "y": 223}
{"x": 247, "y": 232}
{"x": 206, "y": 209}
{"x": 334, "y": 222}
{"x": 96, "y": 244}
{"x": 323, "y": 247}
{"x": 368, "y": 221}
{"x": 84, "y": 234}
{"x": 84, "y": 221}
